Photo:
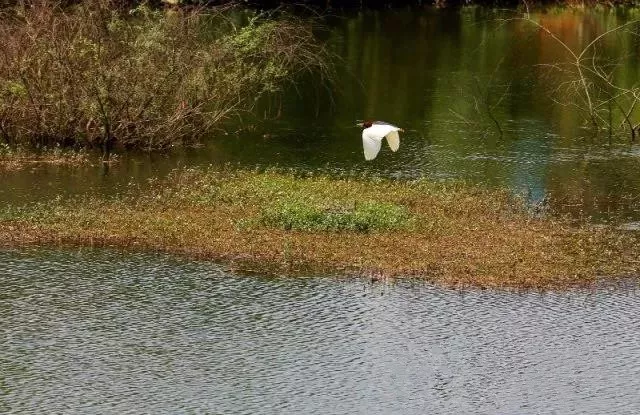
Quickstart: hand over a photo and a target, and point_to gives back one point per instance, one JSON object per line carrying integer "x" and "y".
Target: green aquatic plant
{"x": 366, "y": 216}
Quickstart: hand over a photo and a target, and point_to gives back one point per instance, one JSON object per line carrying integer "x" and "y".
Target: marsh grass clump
{"x": 307, "y": 204}
{"x": 360, "y": 217}
{"x": 450, "y": 233}
{"x": 95, "y": 74}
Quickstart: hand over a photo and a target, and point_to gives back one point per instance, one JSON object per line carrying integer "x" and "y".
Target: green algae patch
{"x": 449, "y": 233}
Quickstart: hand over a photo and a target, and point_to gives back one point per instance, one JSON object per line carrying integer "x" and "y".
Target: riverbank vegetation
{"x": 98, "y": 75}
{"x": 448, "y": 233}
{"x": 16, "y": 158}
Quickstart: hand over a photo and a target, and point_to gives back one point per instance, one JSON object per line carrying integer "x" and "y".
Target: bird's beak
{"x": 360, "y": 124}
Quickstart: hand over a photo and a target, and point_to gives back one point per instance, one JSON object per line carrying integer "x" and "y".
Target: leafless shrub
{"x": 589, "y": 83}
{"x": 99, "y": 75}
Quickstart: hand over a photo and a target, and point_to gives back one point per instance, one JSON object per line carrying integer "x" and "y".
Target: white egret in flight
{"x": 372, "y": 134}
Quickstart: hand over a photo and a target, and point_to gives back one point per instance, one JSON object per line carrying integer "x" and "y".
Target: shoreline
{"x": 451, "y": 234}
{"x": 20, "y": 158}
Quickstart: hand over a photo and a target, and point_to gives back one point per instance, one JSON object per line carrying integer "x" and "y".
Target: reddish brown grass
{"x": 457, "y": 235}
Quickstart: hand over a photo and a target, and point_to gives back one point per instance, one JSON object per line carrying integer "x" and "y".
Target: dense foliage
{"x": 98, "y": 75}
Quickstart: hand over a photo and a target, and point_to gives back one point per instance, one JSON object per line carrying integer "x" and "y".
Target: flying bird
{"x": 372, "y": 134}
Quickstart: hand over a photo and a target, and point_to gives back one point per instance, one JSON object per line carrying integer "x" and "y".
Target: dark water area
{"x": 425, "y": 70}
{"x": 99, "y": 332}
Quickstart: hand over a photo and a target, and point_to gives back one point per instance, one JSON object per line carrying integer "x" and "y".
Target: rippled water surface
{"x": 99, "y": 332}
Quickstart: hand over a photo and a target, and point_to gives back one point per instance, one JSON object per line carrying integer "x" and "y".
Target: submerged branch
{"x": 591, "y": 81}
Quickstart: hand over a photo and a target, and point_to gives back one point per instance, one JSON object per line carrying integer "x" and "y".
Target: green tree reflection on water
{"x": 415, "y": 68}
{"x": 420, "y": 69}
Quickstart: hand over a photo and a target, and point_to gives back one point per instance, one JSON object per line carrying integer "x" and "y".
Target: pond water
{"x": 98, "y": 332}
{"x": 104, "y": 332}
{"x": 423, "y": 70}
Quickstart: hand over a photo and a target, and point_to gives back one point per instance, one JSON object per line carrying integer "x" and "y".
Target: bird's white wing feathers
{"x": 371, "y": 146}
{"x": 380, "y": 130}
{"x": 372, "y": 139}
{"x": 393, "y": 139}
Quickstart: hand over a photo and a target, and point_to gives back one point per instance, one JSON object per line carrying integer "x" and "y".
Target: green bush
{"x": 361, "y": 217}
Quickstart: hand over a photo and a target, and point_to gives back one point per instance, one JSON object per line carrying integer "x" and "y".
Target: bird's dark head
{"x": 365, "y": 124}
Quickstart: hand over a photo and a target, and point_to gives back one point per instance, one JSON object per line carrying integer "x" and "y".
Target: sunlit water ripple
{"x": 109, "y": 333}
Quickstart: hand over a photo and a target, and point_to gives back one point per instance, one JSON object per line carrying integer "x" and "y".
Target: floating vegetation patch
{"x": 450, "y": 233}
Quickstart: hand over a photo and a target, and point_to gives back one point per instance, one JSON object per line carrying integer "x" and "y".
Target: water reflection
{"x": 415, "y": 68}
{"x": 102, "y": 332}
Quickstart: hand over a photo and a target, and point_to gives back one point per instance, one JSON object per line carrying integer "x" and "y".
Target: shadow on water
{"x": 418, "y": 68}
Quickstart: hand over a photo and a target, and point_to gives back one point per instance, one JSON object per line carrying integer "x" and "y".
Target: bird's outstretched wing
{"x": 371, "y": 147}
{"x": 393, "y": 139}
